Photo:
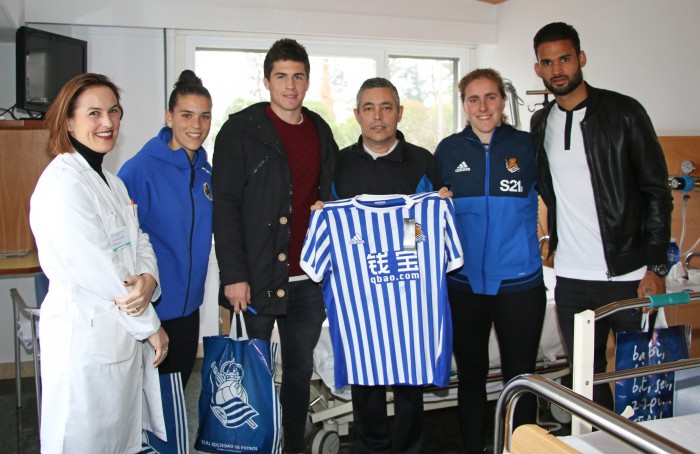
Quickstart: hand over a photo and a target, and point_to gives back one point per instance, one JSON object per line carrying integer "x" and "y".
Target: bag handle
{"x": 234, "y": 327}
{"x": 658, "y": 324}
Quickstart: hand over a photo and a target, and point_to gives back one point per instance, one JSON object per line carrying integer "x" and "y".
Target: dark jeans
{"x": 183, "y": 333}
{"x": 371, "y": 423}
{"x": 517, "y": 318}
{"x": 574, "y": 296}
{"x": 299, "y": 331}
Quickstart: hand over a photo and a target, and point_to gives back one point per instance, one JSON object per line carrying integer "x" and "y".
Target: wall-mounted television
{"x": 45, "y": 62}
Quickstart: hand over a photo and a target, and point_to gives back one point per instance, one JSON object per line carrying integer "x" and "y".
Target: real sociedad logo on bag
{"x": 230, "y": 401}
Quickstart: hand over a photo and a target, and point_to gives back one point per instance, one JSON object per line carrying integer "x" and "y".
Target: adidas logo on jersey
{"x": 357, "y": 239}
{"x": 463, "y": 167}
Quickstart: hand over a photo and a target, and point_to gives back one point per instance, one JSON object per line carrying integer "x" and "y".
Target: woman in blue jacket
{"x": 169, "y": 181}
{"x": 490, "y": 169}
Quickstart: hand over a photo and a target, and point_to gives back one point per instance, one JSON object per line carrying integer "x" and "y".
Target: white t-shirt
{"x": 580, "y": 248}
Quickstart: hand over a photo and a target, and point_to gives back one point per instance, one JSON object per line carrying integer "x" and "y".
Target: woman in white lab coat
{"x": 100, "y": 337}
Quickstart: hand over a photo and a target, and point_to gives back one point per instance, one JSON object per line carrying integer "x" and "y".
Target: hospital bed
{"x": 649, "y": 436}
{"x": 673, "y": 435}
{"x": 332, "y": 407}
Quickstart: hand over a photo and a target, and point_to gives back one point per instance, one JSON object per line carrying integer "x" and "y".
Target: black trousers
{"x": 517, "y": 318}
{"x": 371, "y": 423}
{"x": 182, "y": 347}
{"x": 574, "y": 296}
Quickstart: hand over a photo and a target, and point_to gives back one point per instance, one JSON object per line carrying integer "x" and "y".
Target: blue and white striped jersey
{"x": 383, "y": 261}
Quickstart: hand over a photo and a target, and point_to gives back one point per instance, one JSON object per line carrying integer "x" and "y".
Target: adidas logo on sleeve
{"x": 387, "y": 305}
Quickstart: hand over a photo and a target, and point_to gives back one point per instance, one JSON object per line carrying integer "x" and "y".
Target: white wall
{"x": 644, "y": 48}
{"x": 11, "y": 17}
{"x": 453, "y": 20}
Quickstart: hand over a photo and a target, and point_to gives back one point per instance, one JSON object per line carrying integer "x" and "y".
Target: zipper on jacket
{"x": 257, "y": 168}
{"x": 487, "y": 183}
{"x": 189, "y": 271}
{"x": 487, "y": 180}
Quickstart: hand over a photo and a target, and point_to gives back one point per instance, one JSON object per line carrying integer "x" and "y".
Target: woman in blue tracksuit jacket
{"x": 490, "y": 169}
{"x": 169, "y": 181}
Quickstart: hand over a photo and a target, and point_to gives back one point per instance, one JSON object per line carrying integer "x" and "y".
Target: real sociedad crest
{"x": 512, "y": 165}
{"x": 207, "y": 191}
{"x": 419, "y": 233}
{"x": 230, "y": 401}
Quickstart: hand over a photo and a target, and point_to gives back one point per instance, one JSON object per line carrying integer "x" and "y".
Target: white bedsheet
{"x": 682, "y": 430}
{"x": 550, "y": 343}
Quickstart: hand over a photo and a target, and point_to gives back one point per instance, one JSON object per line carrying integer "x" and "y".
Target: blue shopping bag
{"x": 175, "y": 417}
{"x": 239, "y": 409}
{"x": 651, "y": 396}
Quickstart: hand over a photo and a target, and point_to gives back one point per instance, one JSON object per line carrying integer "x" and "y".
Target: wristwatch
{"x": 660, "y": 270}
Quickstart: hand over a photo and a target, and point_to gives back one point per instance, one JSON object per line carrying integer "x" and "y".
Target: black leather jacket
{"x": 629, "y": 178}
{"x": 253, "y": 204}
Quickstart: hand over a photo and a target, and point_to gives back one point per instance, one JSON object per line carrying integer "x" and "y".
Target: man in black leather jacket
{"x": 603, "y": 177}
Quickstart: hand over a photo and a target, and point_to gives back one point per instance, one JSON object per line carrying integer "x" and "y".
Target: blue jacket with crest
{"x": 495, "y": 198}
{"x": 174, "y": 202}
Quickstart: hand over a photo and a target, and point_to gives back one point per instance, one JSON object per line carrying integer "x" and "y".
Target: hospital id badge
{"x": 119, "y": 239}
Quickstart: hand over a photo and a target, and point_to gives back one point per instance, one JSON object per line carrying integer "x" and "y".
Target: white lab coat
{"x": 99, "y": 385}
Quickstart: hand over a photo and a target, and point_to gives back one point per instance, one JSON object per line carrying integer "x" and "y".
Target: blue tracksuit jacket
{"x": 174, "y": 202}
{"x": 496, "y": 204}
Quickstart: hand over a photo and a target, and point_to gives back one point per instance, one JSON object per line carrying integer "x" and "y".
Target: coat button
{"x": 283, "y": 220}
{"x": 280, "y": 293}
{"x": 282, "y": 257}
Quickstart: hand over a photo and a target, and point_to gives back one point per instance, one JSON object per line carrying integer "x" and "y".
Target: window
{"x": 428, "y": 90}
{"x": 425, "y": 76}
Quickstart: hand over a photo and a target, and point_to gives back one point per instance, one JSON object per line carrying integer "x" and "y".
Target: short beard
{"x": 573, "y": 84}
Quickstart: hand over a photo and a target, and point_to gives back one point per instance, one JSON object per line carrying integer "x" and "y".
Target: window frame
{"x": 381, "y": 50}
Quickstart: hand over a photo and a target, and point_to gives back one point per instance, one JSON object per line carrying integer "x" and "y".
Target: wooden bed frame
{"x": 532, "y": 439}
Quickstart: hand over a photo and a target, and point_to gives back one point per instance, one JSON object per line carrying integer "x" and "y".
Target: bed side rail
{"x": 607, "y": 421}
{"x": 584, "y": 332}
{"x": 652, "y": 301}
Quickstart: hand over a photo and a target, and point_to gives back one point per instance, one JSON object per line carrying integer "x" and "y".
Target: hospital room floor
{"x": 441, "y": 426}
{"x": 19, "y": 428}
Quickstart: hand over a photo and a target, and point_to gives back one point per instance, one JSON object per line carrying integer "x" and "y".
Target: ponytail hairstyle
{"x": 187, "y": 84}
